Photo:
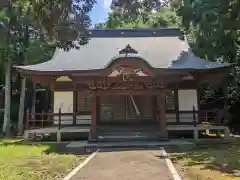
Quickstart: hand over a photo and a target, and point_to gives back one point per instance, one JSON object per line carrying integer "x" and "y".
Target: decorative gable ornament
{"x": 127, "y": 72}
{"x": 128, "y": 50}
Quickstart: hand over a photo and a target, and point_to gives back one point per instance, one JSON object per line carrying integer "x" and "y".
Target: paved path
{"x": 125, "y": 165}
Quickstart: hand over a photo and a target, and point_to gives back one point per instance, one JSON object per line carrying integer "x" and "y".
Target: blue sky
{"x": 100, "y": 11}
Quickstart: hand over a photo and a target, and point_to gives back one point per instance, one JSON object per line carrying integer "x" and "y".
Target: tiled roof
{"x": 188, "y": 60}
{"x": 160, "y": 48}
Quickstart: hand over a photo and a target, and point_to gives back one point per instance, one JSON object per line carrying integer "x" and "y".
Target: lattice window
{"x": 169, "y": 100}
{"x": 84, "y": 102}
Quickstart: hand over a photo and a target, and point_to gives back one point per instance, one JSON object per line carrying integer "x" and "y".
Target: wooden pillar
{"x": 198, "y": 84}
{"x": 126, "y": 107}
{"x": 52, "y": 101}
{"x": 225, "y": 92}
{"x": 93, "y": 135}
{"x": 162, "y": 113}
{"x": 74, "y": 106}
{"x": 198, "y": 105}
{"x": 176, "y": 104}
{"x": 154, "y": 109}
{"x": 97, "y": 109}
{"x": 141, "y": 100}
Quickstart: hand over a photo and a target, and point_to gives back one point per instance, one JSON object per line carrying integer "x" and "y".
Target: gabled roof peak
{"x": 128, "y": 50}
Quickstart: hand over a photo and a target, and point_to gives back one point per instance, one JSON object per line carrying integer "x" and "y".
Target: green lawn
{"x": 19, "y": 161}
{"x": 210, "y": 161}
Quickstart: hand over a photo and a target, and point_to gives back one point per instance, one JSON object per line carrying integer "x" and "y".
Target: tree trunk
{"x": 21, "y": 106}
{"x": 23, "y": 83}
{"x": 7, "y": 107}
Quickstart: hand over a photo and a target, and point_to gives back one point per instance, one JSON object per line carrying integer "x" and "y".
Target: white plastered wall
{"x": 187, "y": 99}
{"x": 63, "y": 100}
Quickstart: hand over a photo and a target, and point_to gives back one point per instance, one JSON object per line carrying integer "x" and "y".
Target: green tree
{"x": 166, "y": 17}
{"x": 17, "y": 34}
{"x": 213, "y": 28}
{"x": 213, "y": 31}
{"x": 9, "y": 49}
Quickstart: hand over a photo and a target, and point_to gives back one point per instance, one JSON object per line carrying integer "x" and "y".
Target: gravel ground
{"x": 125, "y": 165}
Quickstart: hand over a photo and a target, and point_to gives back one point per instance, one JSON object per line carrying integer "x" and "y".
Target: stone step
{"x": 128, "y": 129}
{"x": 122, "y": 138}
{"x": 144, "y": 130}
{"x": 93, "y": 146}
{"x": 121, "y": 133}
{"x": 129, "y": 133}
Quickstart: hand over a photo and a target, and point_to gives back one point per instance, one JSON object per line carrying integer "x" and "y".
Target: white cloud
{"x": 107, "y": 4}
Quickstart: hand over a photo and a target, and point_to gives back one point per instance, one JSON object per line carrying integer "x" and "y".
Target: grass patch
{"x": 210, "y": 161}
{"x": 19, "y": 161}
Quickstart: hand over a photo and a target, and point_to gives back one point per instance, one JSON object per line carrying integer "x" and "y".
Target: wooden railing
{"x": 43, "y": 120}
{"x": 193, "y": 117}
{"x": 207, "y": 116}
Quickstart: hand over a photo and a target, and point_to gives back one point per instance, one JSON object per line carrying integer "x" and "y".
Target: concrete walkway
{"x": 125, "y": 165}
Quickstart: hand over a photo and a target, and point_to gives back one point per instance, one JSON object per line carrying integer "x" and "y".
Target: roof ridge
{"x": 136, "y": 32}
{"x": 134, "y": 29}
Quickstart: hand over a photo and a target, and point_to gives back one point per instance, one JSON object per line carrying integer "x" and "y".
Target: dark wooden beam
{"x": 98, "y": 109}
{"x": 74, "y": 107}
{"x": 52, "y": 101}
{"x": 127, "y": 92}
{"x": 94, "y": 118}
{"x": 154, "y": 107}
{"x": 176, "y": 103}
{"x": 162, "y": 113}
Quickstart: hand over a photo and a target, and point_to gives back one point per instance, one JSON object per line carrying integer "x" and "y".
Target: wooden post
{"x": 59, "y": 126}
{"x": 42, "y": 118}
{"x": 74, "y": 107}
{"x": 59, "y": 119}
{"x": 26, "y": 134}
{"x": 195, "y": 132}
{"x": 93, "y": 132}
{"x": 198, "y": 103}
{"x": 154, "y": 107}
{"x": 162, "y": 115}
{"x": 206, "y": 116}
{"x": 206, "y": 120}
{"x": 194, "y": 116}
{"x": 176, "y": 104}
{"x": 27, "y": 119}
{"x": 126, "y": 107}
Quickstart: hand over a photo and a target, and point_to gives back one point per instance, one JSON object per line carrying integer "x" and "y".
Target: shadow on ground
{"x": 224, "y": 158}
{"x": 49, "y": 148}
